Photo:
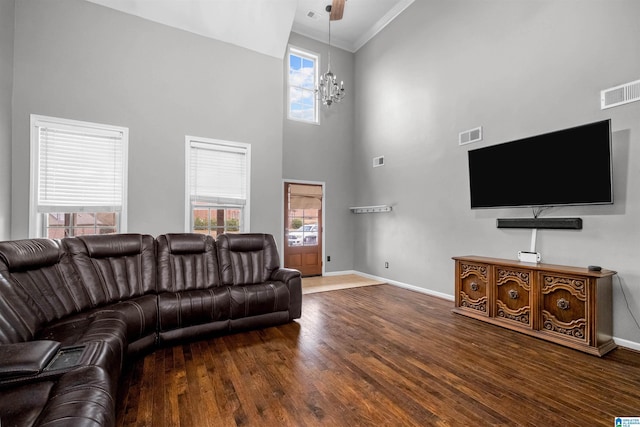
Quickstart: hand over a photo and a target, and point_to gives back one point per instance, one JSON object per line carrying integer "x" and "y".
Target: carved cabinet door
{"x": 565, "y": 306}
{"x": 513, "y": 296}
{"x": 473, "y": 287}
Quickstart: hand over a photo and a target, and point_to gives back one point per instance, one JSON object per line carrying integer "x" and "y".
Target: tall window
{"x": 78, "y": 178}
{"x": 302, "y": 81}
{"x": 217, "y": 186}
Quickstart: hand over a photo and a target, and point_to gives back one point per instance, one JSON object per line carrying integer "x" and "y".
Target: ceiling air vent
{"x": 378, "y": 161}
{"x": 619, "y": 95}
{"x": 469, "y": 136}
{"x": 313, "y": 15}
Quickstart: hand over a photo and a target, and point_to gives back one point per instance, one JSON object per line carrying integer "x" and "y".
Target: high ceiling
{"x": 264, "y": 25}
{"x": 361, "y": 21}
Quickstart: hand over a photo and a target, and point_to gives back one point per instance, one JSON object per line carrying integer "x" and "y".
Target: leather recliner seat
{"x": 103, "y": 298}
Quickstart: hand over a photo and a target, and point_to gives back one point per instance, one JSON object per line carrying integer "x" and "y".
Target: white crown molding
{"x": 320, "y": 35}
{"x": 381, "y": 24}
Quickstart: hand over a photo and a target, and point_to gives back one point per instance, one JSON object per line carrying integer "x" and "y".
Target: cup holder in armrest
{"x": 67, "y": 357}
{"x": 35, "y": 361}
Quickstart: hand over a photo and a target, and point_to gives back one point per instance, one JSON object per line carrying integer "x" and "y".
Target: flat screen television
{"x": 566, "y": 167}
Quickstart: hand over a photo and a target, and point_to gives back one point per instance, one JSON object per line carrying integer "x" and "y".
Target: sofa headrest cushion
{"x": 186, "y": 243}
{"x": 28, "y": 254}
{"x": 247, "y": 242}
{"x": 113, "y": 245}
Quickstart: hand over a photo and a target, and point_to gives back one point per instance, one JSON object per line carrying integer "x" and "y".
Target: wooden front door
{"x": 303, "y": 228}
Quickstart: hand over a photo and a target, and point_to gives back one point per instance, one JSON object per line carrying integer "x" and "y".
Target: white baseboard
{"x": 621, "y": 342}
{"x": 405, "y": 285}
{"x": 628, "y": 344}
{"x": 341, "y": 273}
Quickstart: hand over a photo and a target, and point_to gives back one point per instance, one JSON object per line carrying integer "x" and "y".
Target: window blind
{"x": 80, "y": 168}
{"x": 218, "y": 174}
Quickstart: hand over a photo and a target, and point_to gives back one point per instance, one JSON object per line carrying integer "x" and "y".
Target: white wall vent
{"x": 619, "y": 95}
{"x": 378, "y": 161}
{"x": 469, "y": 136}
{"x": 313, "y": 15}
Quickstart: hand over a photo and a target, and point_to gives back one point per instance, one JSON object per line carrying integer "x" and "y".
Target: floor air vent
{"x": 620, "y": 95}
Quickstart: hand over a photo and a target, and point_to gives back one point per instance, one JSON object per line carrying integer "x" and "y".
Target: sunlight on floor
{"x": 312, "y": 285}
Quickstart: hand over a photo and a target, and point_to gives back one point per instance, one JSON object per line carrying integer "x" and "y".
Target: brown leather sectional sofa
{"x": 72, "y": 309}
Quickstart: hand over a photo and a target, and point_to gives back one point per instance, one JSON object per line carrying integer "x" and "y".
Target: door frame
{"x": 282, "y": 214}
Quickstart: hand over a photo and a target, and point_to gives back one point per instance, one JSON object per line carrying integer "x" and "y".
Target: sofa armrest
{"x": 26, "y": 358}
{"x": 284, "y": 275}
{"x": 293, "y": 279}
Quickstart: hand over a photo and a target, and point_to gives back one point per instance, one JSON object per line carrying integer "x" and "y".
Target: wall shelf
{"x": 370, "y": 209}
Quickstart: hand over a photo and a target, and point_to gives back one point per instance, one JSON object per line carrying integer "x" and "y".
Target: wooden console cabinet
{"x": 570, "y": 306}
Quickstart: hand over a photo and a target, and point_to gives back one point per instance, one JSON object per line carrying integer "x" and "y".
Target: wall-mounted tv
{"x": 566, "y": 167}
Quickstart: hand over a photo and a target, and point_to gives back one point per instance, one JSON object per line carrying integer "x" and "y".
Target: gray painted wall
{"x": 7, "y": 8}
{"x": 77, "y": 60}
{"x": 324, "y": 153}
{"x": 517, "y": 68}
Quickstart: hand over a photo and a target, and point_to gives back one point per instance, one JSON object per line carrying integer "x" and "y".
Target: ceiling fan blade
{"x": 337, "y": 8}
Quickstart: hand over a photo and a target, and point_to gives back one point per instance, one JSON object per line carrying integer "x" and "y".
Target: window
{"x": 217, "y": 186}
{"x": 302, "y": 82}
{"x": 78, "y": 178}
{"x": 304, "y": 205}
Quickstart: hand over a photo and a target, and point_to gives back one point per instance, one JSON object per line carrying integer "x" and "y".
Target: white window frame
{"x": 190, "y": 141}
{"x": 36, "y": 223}
{"x": 316, "y": 58}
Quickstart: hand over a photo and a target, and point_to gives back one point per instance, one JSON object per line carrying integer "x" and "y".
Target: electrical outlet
{"x": 386, "y": 264}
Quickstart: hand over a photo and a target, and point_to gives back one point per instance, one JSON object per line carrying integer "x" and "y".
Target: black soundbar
{"x": 549, "y": 223}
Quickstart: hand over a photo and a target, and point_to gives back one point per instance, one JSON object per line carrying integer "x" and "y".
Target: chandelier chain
{"x": 328, "y": 89}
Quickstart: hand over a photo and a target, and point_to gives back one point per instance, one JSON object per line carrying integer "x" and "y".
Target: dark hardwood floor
{"x": 378, "y": 356}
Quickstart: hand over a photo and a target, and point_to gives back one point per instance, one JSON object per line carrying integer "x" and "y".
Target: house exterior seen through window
{"x": 302, "y": 81}
{"x": 217, "y": 186}
{"x": 78, "y": 178}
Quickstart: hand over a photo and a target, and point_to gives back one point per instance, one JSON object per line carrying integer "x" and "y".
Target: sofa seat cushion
{"x": 195, "y": 307}
{"x": 83, "y": 397}
{"x": 253, "y": 300}
{"x": 141, "y": 316}
{"x": 109, "y": 326}
{"x": 104, "y": 333}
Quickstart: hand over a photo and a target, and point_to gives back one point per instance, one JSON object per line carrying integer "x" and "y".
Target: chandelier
{"x": 328, "y": 88}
